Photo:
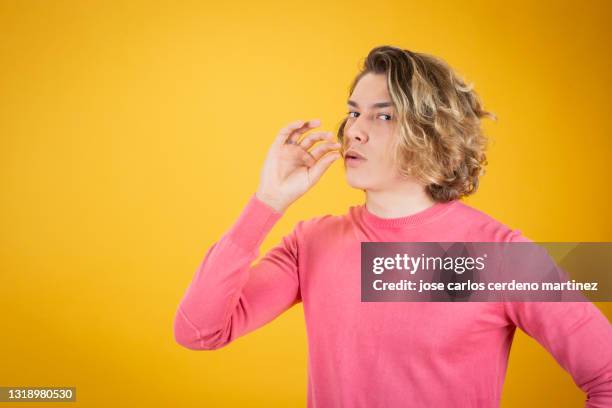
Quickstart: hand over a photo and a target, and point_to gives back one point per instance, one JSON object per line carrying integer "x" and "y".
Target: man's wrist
{"x": 277, "y": 205}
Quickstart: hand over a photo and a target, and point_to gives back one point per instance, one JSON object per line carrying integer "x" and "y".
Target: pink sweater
{"x": 383, "y": 354}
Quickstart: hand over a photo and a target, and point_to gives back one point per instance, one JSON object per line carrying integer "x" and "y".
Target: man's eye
{"x": 388, "y": 117}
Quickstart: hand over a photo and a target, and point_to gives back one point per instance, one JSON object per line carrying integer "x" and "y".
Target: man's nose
{"x": 357, "y": 130}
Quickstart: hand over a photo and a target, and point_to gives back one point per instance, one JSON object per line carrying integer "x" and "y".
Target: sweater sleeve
{"x": 228, "y": 297}
{"x": 579, "y": 337}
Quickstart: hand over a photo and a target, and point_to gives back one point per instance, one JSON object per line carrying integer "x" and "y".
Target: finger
{"x": 307, "y": 158}
{"x": 287, "y": 130}
{"x": 309, "y": 140}
{"x": 295, "y": 134}
{"x": 316, "y": 171}
{"x": 311, "y": 124}
{"x": 323, "y": 148}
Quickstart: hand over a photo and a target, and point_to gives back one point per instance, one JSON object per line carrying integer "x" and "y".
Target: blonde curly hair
{"x": 440, "y": 141}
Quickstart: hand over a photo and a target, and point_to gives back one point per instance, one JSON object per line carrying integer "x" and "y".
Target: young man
{"x": 412, "y": 142}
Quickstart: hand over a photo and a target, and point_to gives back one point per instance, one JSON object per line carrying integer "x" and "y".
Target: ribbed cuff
{"x": 255, "y": 221}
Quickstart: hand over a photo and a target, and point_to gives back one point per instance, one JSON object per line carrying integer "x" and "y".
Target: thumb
{"x": 316, "y": 171}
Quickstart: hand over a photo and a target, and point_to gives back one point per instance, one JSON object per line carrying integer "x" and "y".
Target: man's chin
{"x": 358, "y": 184}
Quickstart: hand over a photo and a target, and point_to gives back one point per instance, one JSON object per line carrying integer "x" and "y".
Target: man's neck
{"x": 401, "y": 202}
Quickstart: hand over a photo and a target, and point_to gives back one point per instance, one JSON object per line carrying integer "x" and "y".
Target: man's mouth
{"x": 353, "y": 159}
{"x": 351, "y": 154}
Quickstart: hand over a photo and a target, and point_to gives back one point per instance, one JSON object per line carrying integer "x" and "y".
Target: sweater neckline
{"x": 417, "y": 218}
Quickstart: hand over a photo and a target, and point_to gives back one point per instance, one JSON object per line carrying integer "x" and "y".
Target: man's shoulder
{"x": 325, "y": 225}
{"x": 482, "y": 225}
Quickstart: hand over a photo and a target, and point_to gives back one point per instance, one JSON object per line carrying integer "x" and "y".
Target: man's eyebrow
{"x": 374, "y": 105}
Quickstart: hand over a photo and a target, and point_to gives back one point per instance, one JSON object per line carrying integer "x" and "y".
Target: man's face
{"x": 370, "y": 130}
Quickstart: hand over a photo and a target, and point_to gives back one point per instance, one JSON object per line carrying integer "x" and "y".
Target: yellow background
{"x": 134, "y": 132}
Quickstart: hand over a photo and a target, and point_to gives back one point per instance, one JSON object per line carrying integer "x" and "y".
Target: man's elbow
{"x": 196, "y": 343}
{"x": 187, "y": 336}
